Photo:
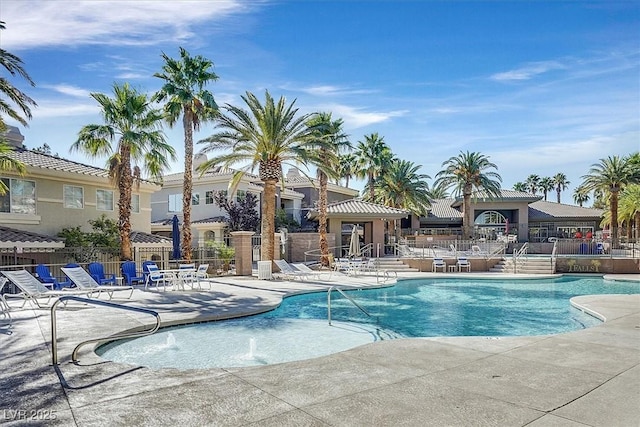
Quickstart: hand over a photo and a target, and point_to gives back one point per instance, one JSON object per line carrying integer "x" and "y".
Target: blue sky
{"x": 539, "y": 87}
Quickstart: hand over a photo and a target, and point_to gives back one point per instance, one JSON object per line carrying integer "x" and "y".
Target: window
{"x": 73, "y": 197}
{"x": 240, "y": 195}
{"x": 20, "y": 197}
{"x": 195, "y": 199}
{"x": 208, "y": 197}
{"x": 104, "y": 200}
{"x": 175, "y": 202}
{"x": 135, "y": 203}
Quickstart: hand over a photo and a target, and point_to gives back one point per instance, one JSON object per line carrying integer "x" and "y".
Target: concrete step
{"x": 527, "y": 265}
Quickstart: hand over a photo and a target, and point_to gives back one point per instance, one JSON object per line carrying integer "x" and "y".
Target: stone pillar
{"x": 242, "y": 244}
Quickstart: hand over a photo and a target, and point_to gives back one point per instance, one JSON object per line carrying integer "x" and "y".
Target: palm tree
{"x": 131, "y": 132}
{"x": 610, "y": 176}
{"x": 373, "y": 156}
{"x": 402, "y": 187}
{"x": 330, "y": 140}
{"x": 561, "y": 183}
{"x": 437, "y": 192}
{"x": 629, "y": 209}
{"x": 546, "y": 184}
{"x": 266, "y": 136}
{"x": 533, "y": 183}
{"x": 184, "y": 95}
{"x": 347, "y": 167}
{"x": 22, "y": 101}
{"x": 466, "y": 172}
{"x": 580, "y": 196}
{"x": 8, "y": 163}
{"x": 521, "y": 186}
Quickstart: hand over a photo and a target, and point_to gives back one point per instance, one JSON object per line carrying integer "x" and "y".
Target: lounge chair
{"x": 288, "y": 271}
{"x": 96, "y": 270}
{"x": 202, "y": 271}
{"x": 44, "y": 275}
{"x": 4, "y": 307}
{"x": 476, "y": 251}
{"x": 31, "y": 288}
{"x": 130, "y": 273}
{"x": 463, "y": 263}
{"x": 304, "y": 268}
{"x": 145, "y": 272}
{"x": 84, "y": 281}
{"x": 438, "y": 263}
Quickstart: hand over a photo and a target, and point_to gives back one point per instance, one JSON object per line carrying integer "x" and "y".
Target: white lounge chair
{"x": 84, "y": 281}
{"x": 4, "y": 307}
{"x": 304, "y": 268}
{"x": 288, "y": 271}
{"x": 463, "y": 263}
{"x": 438, "y": 263}
{"x": 157, "y": 278}
{"x": 31, "y": 289}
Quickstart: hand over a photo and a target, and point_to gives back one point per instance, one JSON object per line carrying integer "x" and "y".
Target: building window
{"x": 104, "y": 200}
{"x": 20, "y": 197}
{"x": 208, "y": 197}
{"x": 73, "y": 197}
{"x": 135, "y": 203}
{"x": 195, "y": 199}
{"x": 175, "y": 202}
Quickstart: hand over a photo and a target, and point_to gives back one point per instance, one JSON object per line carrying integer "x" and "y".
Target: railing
{"x": 74, "y": 354}
{"x": 344, "y": 295}
{"x": 517, "y": 254}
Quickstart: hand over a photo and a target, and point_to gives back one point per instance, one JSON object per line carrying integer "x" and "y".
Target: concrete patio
{"x": 589, "y": 377}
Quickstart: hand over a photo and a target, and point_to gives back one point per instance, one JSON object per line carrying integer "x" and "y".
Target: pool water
{"x": 298, "y": 329}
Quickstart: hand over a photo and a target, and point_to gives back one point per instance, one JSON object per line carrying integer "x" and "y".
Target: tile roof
{"x": 543, "y": 210}
{"x": 140, "y": 237}
{"x": 12, "y": 236}
{"x": 443, "y": 209}
{"x": 46, "y": 161}
{"x": 505, "y": 196}
{"x": 356, "y": 207}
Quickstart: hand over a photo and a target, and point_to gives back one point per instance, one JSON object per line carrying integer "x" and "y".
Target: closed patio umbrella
{"x": 175, "y": 235}
{"x": 354, "y": 243}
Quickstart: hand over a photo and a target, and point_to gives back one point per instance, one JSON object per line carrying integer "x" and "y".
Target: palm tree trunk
{"x": 467, "y": 220}
{"x": 187, "y": 186}
{"x": 268, "y": 220}
{"x": 322, "y": 220}
{"x": 614, "y": 218}
{"x": 125, "y": 184}
{"x": 372, "y": 190}
{"x": 558, "y": 193}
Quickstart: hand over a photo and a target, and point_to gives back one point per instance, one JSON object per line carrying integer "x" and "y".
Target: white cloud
{"x": 69, "y": 90}
{"x": 528, "y": 71}
{"x": 36, "y": 23}
{"x": 49, "y": 109}
{"x": 356, "y": 118}
{"x": 329, "y": 90}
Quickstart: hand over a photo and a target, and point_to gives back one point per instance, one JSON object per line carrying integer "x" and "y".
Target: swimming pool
{"x": 298, "y": 329}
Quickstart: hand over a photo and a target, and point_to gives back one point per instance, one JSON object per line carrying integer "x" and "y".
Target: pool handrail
{"x": 344, "y": 295}
{"x": 74, "y": 354}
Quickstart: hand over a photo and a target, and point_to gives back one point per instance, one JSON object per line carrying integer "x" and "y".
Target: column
{"x": 242, "y": 244}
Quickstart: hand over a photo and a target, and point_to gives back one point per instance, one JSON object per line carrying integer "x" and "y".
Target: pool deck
{"x": 589, "y": 377}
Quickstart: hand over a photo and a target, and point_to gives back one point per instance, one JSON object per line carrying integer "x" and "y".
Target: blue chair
{"x": 145, "y": 270}
{"x": 96, "y": 270}
{"x": 130, "y": 273}
{"x": 44, "y": 275}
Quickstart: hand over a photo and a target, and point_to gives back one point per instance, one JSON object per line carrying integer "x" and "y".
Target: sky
{"x": 540, "y": 87}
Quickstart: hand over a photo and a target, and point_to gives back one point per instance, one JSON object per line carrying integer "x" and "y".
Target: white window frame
{"x": 135, "y": 203}
{"x": 174, "y": 203}
{"x": 70, "y": 199}
{"x": 98, "y": 201}
{"x": 15, "y": 207}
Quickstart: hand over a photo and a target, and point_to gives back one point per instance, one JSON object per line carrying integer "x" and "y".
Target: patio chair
{"x": 438, "y": 263}
{"x": 304, "y": 268}
{"x": 31, "y": 288}
{"x": 476, "y": 251}
{"x": 288, "y": 271}
{"x": 85, "y": 281}
{"x": 145, "y": 271}
{"x": 202, "y": 271}
{"x": 96, "y": 270}
{"x": 130, "y": 273}
{"x": 44, "y": 275}
{"x": 154, "y": 277}
{"x": 463, "y": 263}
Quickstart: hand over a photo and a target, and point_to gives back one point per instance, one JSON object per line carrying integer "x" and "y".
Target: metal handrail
{"x": 74, "y": 354}
{"x": 344, "y": 295}
{"x": 517, "y": 254}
